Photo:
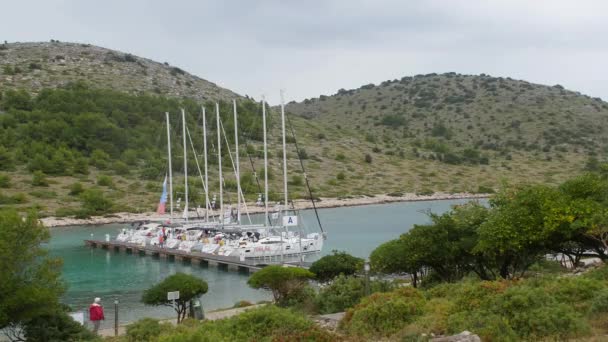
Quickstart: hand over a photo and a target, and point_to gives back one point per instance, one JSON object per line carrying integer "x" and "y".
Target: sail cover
{"x": 163, "y": 199}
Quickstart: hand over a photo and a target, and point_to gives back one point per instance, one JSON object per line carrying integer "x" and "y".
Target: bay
{"x": 112, "y": 276}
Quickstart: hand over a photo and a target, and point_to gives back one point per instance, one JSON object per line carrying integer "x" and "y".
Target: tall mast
{"x": 284, "y": 150}
{"x": 238, "y": 174}
{"x": 170, "y": 171}
{"x": 284, "y": 165}
{"x": 219, "y": 158}
{"x": 185, "y": 165}
{"x": 206, "y": 174}
{"x": 265, "y": 163}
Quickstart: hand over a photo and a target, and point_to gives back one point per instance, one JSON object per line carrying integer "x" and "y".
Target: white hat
{"x": 97, "y": 300}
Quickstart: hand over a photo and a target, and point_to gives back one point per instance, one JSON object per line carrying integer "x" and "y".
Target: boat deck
{"x": 228, "y": 262}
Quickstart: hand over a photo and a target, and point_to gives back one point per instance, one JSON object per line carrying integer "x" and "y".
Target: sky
{"x": 311, "y": 48}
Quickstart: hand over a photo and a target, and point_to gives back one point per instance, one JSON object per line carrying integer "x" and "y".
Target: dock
{"x": 231, "y": 263}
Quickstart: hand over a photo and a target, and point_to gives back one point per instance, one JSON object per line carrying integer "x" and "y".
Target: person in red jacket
{"x": 96, "y": 314}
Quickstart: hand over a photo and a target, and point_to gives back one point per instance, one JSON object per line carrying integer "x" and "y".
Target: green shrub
{"x": 95, "y": 202}
{"x": 145, "y": 329}
{"x": 340, "y": 176}
{"x": 600, "y": 302}
{"x": 343, "y": 293}
{"x": 105, "y": 180}
{"x": 383, "y": 314}
{"x": 39, "y": 179}
{"x": 268, "y": 323}
{"x": 121, "y": 168}
{"x": 526, "y": 310}
{"x": 368, "y": 158}
{"x": 76, "y": 189}
{"x": 19, "y": 198}
{"x": 5, "y": 181}
{"x": 296, "y": 180}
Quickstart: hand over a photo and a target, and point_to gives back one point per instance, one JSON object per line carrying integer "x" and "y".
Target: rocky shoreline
{"x": 253, "y": 209}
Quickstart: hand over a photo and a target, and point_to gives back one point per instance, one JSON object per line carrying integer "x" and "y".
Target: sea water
{"x": 94, "y": 272}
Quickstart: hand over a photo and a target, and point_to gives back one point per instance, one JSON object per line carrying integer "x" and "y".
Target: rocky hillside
{"x": 451, "y": 112}
{"x": 35, "y": 66}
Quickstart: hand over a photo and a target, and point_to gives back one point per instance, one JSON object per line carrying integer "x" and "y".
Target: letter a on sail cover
{"x": 290, "y": 221}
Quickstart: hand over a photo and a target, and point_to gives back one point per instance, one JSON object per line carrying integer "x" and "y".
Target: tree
{"x": 282, "y": 281}
{"x": 335, "y": 264}
{"x": 31, "y": 284}
{"x": 189, "y": 287}
{"x": 394, "y": 256}
{"x": 515, "y": 234}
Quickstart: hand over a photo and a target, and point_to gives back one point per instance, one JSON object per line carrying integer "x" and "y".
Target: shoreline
{"x": 299, "y": 204}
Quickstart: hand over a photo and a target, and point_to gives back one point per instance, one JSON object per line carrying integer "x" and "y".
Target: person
{"x": 96, "y": 314}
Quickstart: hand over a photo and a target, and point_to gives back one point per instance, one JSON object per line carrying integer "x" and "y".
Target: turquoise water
{"x": 110, "y": 275}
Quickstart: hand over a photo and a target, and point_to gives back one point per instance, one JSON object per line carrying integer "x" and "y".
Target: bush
{"x": 335, "y": 264}
{"x": 368, "y": 158}
{"x": 296, "y": 180}
{"x": 600, "y": 302}
{"x": 340, "y": 176}
{"x": 39, "y": 179}
{"x": 15, "y": 199}
{"x": 268, "y": 323}
{"x": 76, "y": 189}
{"x": 343, "y": 293}
{"x": 383, "y": 314}
{"x": 104, "y": 180}
{"x": 56, "y": 326}
{"x": 145, "y": 330}
{"x": 121, "y": 168}
{"x": 95, "y": 203}
{"x": 5, "y": 181}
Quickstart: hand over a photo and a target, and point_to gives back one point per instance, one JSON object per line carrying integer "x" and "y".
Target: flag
{"x": 163, "y": 199}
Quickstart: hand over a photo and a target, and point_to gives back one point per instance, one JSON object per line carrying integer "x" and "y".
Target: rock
{"x": 465, "y": 336}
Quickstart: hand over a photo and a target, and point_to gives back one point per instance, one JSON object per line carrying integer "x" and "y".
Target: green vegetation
{"x": 481, "y": 269}
{"x": 31, "y": 285}
{"x": 268, "y": 323}
{"x": 330, "y": 266}
{"x": 284, "y": 282}
{"x": 189, "y": 287}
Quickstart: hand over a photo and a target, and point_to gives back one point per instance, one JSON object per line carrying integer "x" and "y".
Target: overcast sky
{"x": 316, "y": 47}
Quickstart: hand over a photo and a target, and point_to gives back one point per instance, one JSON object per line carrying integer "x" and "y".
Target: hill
{"x": 465, "y": 111}
{"x": 95, "y": 138}
{"x": 36, "y": 66}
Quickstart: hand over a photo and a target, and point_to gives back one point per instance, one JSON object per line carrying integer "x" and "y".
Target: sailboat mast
{"x": 265, "y": 163}
{"x": 170, "y": 171}
{"x": 206, "y": 173}
{"x": 284, "y": 149}
{"x": 238, "y": 174}
{"x": 219, "y": 158}
{"x": 185, "y": 165}
{"x": 284, "y": 166}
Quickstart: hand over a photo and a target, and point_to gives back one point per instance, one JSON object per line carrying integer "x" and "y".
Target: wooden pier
{"x": 232, "y": 263}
